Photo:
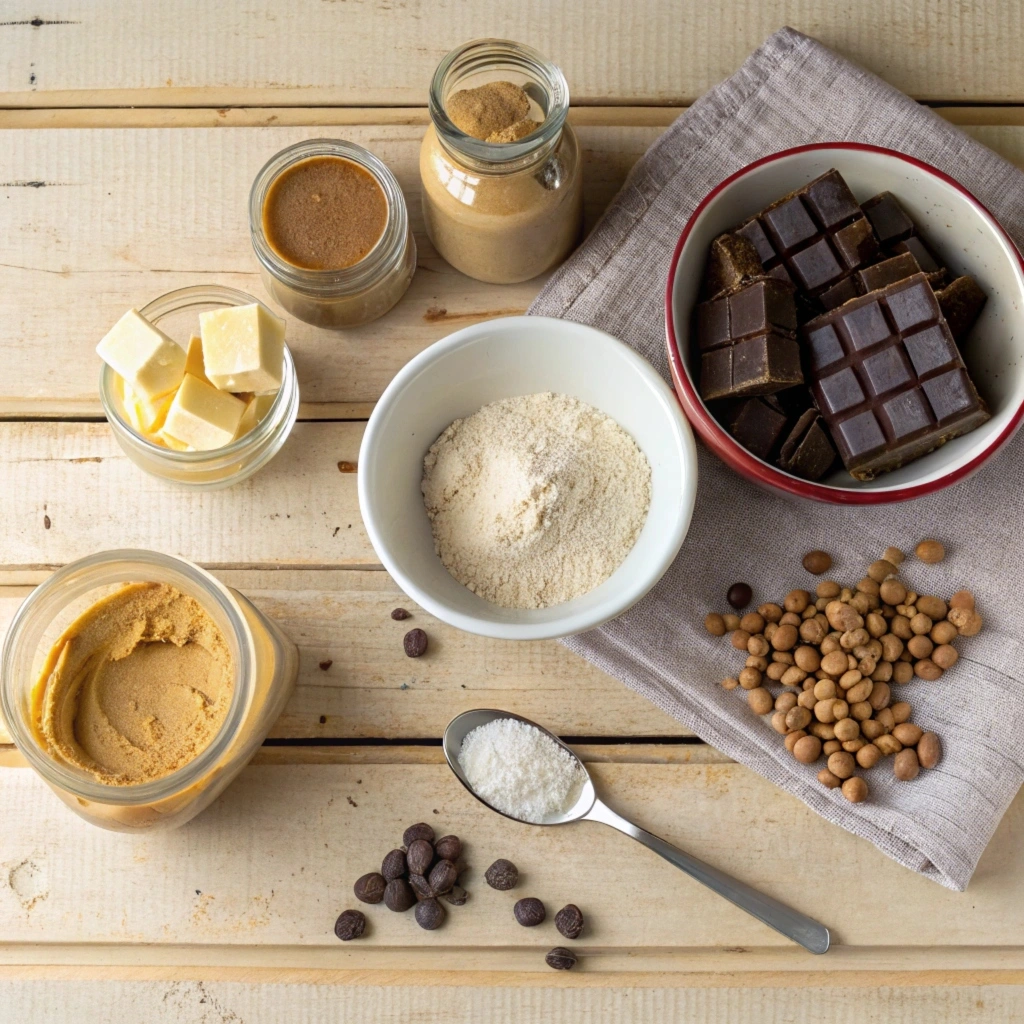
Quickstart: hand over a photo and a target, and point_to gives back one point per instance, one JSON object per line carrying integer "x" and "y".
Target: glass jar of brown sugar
{"x": 502, "y": 196}
{"x": 330, "y": 228}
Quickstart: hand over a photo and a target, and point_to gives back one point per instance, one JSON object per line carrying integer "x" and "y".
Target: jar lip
{"x": 475, "y": 56}
{"x": 174, "y": 302}
{"x": 188, "y": 774}
{"x": 387, "y": 251}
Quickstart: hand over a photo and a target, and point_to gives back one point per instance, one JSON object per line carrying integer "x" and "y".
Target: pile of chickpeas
{"x": 837, "y": 653}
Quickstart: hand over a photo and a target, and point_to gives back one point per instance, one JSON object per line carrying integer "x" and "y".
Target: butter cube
{"x": 194, "y": 358}
{"x": 202, "y": 416}
{"x": 243, "y": 348}
{"x": 150, "y": 362}
{"x": 248, "y": 420}
{"x": 144, "y": 415}
{"x": 172, "y": 442}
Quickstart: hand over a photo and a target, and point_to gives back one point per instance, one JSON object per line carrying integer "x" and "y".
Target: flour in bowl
{"x": 535, "y": 500}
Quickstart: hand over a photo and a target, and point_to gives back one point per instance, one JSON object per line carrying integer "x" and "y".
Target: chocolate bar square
{"x": 747, "y": 341}
{"x": 816, "y": 236}
{"x": 732, "y": 261}
{"x": 888, "y": 218}
{"x": 961, "y": 302}
{"x": 887, "y": 377}
{"x": 757, "y": 423}
{"x": 807, "y": 452}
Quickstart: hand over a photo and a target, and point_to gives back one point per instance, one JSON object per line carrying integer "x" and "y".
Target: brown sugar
{"x": 489, "y": 109}
{"x": 515, "y": 132}
{"x": 324, "y": 213}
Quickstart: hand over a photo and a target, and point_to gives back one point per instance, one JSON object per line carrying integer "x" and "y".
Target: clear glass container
{"x": 337, "y": 299}
{"x": 177, "y": 315}
{"x": 265, "y": 666}
{"x": 502, "y": 212}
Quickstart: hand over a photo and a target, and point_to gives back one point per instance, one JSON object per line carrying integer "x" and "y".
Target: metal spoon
{"x": 794, "y": 925}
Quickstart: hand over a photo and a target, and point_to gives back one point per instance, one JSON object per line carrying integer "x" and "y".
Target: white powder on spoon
{"x": 519, "y": 770}
{"x": 535, "y": 500}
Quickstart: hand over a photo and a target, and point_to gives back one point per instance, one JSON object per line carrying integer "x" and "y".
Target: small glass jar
{"x": 177, "y": 315}
{"x": 337, "y": 299}
{"x": 502, "y": 212}
{"x": 265, "y": 666}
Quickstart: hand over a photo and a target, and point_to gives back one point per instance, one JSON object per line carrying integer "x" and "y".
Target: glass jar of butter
{"x": 263, "y": 668}
{"x": 502, "y": 212}
{"x": 177, "y": 315}
{"x": 348, "y": 295}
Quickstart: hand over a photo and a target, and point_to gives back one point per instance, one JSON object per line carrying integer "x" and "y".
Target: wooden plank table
{"x": 129, "y": 135}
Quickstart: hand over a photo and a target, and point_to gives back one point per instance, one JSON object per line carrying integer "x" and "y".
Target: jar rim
{"x": 75, "y": 783}
{"x": 380, "y": 261}
{"x": 174, "y": 302}
{"x": 477, "y": 55}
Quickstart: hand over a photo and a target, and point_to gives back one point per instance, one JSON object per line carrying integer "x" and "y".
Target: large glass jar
{"x": 355, "y": 295}
{"x": 264, "y": 663}
{"x": 502, "y": 212}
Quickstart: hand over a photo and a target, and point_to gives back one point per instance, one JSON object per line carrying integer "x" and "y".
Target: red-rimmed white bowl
{"x": 962, "y": 232}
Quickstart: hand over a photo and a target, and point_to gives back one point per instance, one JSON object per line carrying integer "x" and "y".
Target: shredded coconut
{"x": 519, "y": 770}
{"x": 535, "y": 500}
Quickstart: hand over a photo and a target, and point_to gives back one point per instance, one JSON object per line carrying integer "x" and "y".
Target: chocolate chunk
{"x": 814, "y": 237}
{"x": 807, "y": 452}
{"x": 896, "y": 268}
{"x": 757, "y": 424}
{"x": 888, "y": 218}
{"x": 887, "y": 377}
{"x": 961, "y": 302}
{"x": 732, "y": 262}
{"x": 747, "y": 341}
{"x": 916, "y": 248}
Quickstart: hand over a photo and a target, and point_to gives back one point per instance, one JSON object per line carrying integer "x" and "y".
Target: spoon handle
{"x": 791, "y": 923}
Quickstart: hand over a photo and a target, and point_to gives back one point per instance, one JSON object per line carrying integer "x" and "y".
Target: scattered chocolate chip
{"x": 443, "y": 876}
{"x": 430, "y": 914}
{"x": 398, "y": 896}
{"x": 346, "y": 467}
{"x": 448, "y": 848}
{"x": 399, "y": 614}
{"x": 561, "y": 959}
{"x": 350, "y": 925}
{"x": 421, "y": 830}
{"x": 420, "y": 857}
{"x": 421, "y": 887}
{"x": 394, "y": 865}
{"x": 739, "y": 595}
{"x": 415, "y": 643}
{"x": 326, "y": 664}
{"x": 502, "y": 874}
{"x": 569, "y": 921}
{"x": 457, "y": 897}
{"x": 529, "y": 911}
{"x": 370, "y": 888}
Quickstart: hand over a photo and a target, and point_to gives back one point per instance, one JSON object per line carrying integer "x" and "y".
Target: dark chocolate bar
{"x": 732, "y": 262}
{"x": 961, "y": 301}
{"x": 813, "y": 237}
{"x": 807, "y": 452}
{"x": 747, "y": 341}
{"x": 888, "y": 379}
{"x": 878, "y": 275}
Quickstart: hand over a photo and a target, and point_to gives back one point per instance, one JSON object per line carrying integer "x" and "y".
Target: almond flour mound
{"x": 535, "y": 500}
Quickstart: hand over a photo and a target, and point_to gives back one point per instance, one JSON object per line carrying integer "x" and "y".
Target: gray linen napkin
{"x": 793, "y": 90}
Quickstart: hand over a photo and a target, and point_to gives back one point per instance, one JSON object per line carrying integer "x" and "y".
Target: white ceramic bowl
{"x": 963, "y": 234}
{"x": 500, "y": 359}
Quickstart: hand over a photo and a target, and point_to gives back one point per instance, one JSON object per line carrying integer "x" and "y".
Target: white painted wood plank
{"x": 97, "y": 238}
{"x": 368, "y": 688}
{"x": 549, "y": 1000}
{"x": 274, "y": 858}
{"x": 379, "y": 52}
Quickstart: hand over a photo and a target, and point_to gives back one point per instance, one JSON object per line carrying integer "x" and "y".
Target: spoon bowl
{"x": 809, "y": 933}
